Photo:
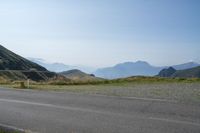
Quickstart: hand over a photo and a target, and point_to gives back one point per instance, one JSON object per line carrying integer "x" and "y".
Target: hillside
{"x": 12, "y": 61}
{"x": 187, "y": 73}
{"x": 15, "y": 67}
{"x": 24, "y": 75}
{"x": 167, "y": 72}
{"x": 186, "y": 66}
{"x": 78, "y": 75}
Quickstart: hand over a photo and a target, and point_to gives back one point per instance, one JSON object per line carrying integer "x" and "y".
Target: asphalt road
{"x": 62, "y": 112}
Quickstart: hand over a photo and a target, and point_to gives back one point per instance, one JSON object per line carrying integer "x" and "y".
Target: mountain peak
{"x": 167, "y": 72}
{"x": 74, "y": 71}
{"x": 140, "y": 63}
{"x": 78, "y": 75}
{"x": 128, "y": 69}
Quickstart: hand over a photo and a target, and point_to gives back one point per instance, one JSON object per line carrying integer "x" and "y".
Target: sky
{"x": 102, "y": 33}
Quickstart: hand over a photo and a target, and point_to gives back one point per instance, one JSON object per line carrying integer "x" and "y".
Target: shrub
{"x": 22, "y": 85}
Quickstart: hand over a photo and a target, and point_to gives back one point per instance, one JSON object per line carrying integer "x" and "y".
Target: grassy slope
{"x": 9, "y": 76}
{"x": 6, "y": 131}
{"x": 188, "y": 73}
{"x": 78, "y": 75}
{"x": 15, "y": 67}
{"x": 12, "y": 61}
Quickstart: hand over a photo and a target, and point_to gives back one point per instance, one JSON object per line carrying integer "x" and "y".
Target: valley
{"x": 45, "y": 101}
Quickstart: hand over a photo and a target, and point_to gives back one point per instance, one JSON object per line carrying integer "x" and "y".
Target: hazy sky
{"x": 102, "y": 32}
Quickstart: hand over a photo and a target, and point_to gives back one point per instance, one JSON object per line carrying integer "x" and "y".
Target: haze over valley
{"x": 122, "y": 70}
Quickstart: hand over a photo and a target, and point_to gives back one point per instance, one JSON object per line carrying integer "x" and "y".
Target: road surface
{"x": 63, "y": 112}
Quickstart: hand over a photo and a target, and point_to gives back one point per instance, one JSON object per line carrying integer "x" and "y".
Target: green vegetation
{"x": 187, "y": 73}
{"x": 3, "y": 131}
{"x": 192, "y": 72}
{"x": 137, "y": 79}
{"x": 12, "y": 61}
{"x": 14, "y": 67}
{"x": 77, "y": 75}
{"x": 185, "y": 92}
{"x": 14, "y": 75}
{"x": 67, "y": 82}
{"x": 177, "y": 89}
{"x": 167, "y": 72}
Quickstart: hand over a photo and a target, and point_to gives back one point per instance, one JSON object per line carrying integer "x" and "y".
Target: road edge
{"x": 11, "y": 129}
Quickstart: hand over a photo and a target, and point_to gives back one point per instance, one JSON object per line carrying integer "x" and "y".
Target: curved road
{"x": 63, "y": 112}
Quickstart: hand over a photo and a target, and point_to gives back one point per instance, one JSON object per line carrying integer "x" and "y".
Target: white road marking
{"x": 135, "y": 98}
{"x": 174, "y": 121}
{"x": 11, "y": 127}
{"x": 98, "y": 112}
{"x": 54, "y": 106}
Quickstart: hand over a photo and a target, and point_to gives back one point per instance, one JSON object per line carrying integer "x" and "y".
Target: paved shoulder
{"x": 48, "y": 112}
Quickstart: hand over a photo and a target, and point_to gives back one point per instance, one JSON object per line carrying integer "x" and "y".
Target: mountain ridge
{"x": 11, "y": 61}
{"x": 121, "y": 70}
{"x": 77, "y": 75}
{"x": 138, "y": 68}
{"x": 186, "y": 73}
{"x": 60, "y": 67}
{"x": 16, "y": 67}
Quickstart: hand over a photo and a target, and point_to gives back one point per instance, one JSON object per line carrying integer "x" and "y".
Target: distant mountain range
{"x": 186, "y": 73}
{"x": 186, "y": 65}
{"x": 127, "y": 69}
{"x": 60, "y": 67}
{"x": 15, "y": 67}
{"x": 138, "y": 68}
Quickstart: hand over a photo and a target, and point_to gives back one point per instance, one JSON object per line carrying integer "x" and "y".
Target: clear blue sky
{"x": 102, "y": 32}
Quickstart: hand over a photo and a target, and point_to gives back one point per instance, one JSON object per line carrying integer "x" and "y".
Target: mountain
{"x": 167, "y": 72}
{"x": 55, "y": 67}
{"x": 187, "y": 73}
{"x": 12, "y": 61}
{"x": 60, "y": 67}
{"x": 128, "y": 69}
{"x": 141, "y": 68}
{"x": 10, "y": 75}
{"x": 122, "y": 70}
{"x": 77, "y": 75}
{"x": 186, "y": 65}
{"x": 15, "y": 67}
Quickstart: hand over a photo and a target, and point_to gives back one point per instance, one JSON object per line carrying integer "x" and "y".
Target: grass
{"x": 1, "y": 131}
{"x": 137, "y": 79}
{"x": 178, "y": 91}
{"x": 183, "y": 90}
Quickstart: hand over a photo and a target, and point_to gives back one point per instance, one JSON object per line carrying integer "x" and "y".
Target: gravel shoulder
{"x": 182, "y": 92}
